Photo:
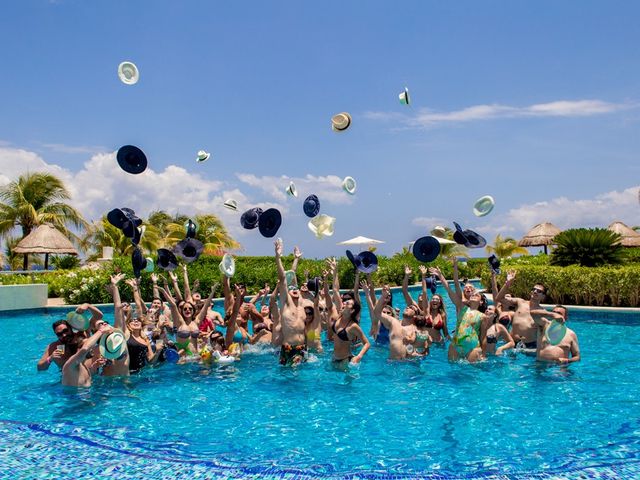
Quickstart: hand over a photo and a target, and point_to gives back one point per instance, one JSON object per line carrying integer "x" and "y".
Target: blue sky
{"x": 535, "y": 103}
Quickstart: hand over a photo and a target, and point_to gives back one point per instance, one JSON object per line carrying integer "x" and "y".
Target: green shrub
{"x": 588, "y": 247}
{"x": 65, "y": 262}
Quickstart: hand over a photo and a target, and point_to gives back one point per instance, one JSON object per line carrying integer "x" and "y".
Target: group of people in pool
{"x": 181, "y": 326}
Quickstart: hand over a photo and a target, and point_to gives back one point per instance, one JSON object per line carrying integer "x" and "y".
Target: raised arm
{"x": 140, "y": 306}
{"x": 207, "y": 304}
{"x": 176, "y": 287}
{"x": 231, "y": 325}
{"x": 187, "y": 287}
{"x": 387, "y": 320}
{"x": 96, "y": 313}
{"x": 228, "y": 296}
{"x": 282, "y": 280}
{"x": 456, "y": 299}
{"x": 500, "y": 297}
{"x": 405, "y": 287}
{"x": 333, "y": 269}
{"x": 297, "y": 255}
{"x": 424, "y": 303}
{"x": 77, "y": 358}
{"x": 456, "y": 279}
{"x": 117, "y": 303}
{"x": 178, "y": 321}
{"x": 366, "y": 288}
{"x": 154, "y": 279}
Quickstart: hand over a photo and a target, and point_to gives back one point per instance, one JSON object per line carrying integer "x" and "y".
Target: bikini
{"x": 342, "y": 334}
{"x": 137, "y": 354}
{"x": 467, "y": 336}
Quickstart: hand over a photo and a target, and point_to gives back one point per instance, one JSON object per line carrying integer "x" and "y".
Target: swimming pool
{"x": 505, "y": 418}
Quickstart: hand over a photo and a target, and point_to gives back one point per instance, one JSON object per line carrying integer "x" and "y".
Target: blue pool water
{"x": 505, "y": 418}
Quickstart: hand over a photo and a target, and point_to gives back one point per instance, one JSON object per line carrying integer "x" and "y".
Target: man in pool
{"x": 60, "y": 351}
{"x": 75, "y": 373}
{"x": 567, "y": 349}
{"x": 292, "y": 316}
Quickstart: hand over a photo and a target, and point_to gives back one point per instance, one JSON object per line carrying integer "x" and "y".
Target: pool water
{"x": 505, "y": 418}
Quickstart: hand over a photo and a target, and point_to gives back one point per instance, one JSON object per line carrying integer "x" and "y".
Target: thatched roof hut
{"x": 45, "y": 239}
{"x": 630, "y": 238}
{"x": 540, "y": 236}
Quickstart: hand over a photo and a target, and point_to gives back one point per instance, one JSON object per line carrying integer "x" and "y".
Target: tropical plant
{"x": 450, "y": 250}
{"x": 65, "y": 262}
{"x": 34, "y": 199}
{"x": 211, "y": 232}
{"x": 506, "y": 247}
{"x": 103, "y": 234}
{"x": 588, "y": 247}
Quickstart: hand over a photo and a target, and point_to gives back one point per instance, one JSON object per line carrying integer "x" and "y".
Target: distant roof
{"x": 541, "y": 234}
{"x": 45, "y": 239}
{"x": 630, "y": 238}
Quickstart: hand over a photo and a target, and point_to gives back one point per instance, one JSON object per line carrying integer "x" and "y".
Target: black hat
{"x": 368, "y": 262}
{"x": 269, "y": 222}
{"x": 355, "y": 261}
{"x": 314, "y": 284}
{"x": 311, "y": 206}
{"x": 426, "y": 249}
{"x": 117, "y": 217}
{"x": 432, "y": 283}
{"x": 250, "y": 218}
{"x": 131, "y": 159}
{"x": 189, "y": 249}
{"x": 166, "y": 259}
{"x": 191, "y": 229}
{"x": 138, "y": 262}
{"x": 468, "y": 238}
{"x": 495, "y": 263}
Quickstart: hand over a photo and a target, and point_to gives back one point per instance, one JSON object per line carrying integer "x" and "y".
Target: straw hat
{"x": 291, "y": 190}
{"x": 202, "y": 156}
{"x": 322, "y": 225}
{"x": 228, "y": 265}
{"x": 128, "y": 73}
{"x": 340, "y": 122}
{"x": 113, "y": 345}
{"x": 349, "y": 185}
{"x": 483, "y": 206}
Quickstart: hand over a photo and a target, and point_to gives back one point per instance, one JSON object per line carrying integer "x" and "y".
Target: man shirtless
{"x": 292, "y": 316}
{"x": 568, "y": 350}
{"x": 400, "y": 336}
{"x": 74, "y": 372}
{"x": 60, "y": 351}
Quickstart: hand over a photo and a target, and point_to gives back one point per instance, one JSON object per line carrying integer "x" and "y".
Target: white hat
{"x": 78, "y": 321}
{"x": 322, "y": 225}
{"x": 340, "y": 122}
{"x": 231, "y": 204}
{"x": 291, "y": 189}
{"x": 404, "y": 96}
{"x": 113, "y": 345}
{"x": 349, "y": 185}
{"x": 128, "y": 73}
{"x": 150, "y": 265}
{"x": 202, "y": 156}
{"x": 439, "y": 231}
{"x": 228, "y": 265}
{"x": 290, "y": 277}
{"x": 483, "y": 206}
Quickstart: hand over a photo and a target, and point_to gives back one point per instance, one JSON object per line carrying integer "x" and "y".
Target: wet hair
{"x": 566, "y": 310}
{"x": 420, "y": 321}
{"x": 483, "y": 303}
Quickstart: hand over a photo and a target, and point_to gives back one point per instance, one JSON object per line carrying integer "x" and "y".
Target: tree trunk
{"x": 25, "y": 262}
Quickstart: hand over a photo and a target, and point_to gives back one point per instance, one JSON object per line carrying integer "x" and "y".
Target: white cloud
{"x": 430, "y": 222}
{"x": 61, "y": 148}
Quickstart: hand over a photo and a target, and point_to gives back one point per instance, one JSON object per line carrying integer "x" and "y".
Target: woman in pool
{"x": 313, "y": 321}
{"x": 494, "y": 332}
{"x": 469, "y": 330}
{"x": 457, "y": 296}
{"x": 345, "y": 330}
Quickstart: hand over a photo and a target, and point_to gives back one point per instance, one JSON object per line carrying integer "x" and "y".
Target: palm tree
{"x": 12, "y": 259}
{"x": 34, "y": 199}
{"x": 103, "y": 234}
{"x": 506, "y": 247}
{"x": 211, "y": 232}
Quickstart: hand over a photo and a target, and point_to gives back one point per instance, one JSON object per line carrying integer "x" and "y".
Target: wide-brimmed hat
{"x": 404, "y": 96}
{"x": 128, "y": 73}
{"x": 117, "y": 217}
{"x": 113, "y": 345}
{"x": 131, "y": 159}
{"x": 269, "y": 222}
{"x": 555, "y": 332}
{"x": 189, "y": 249}
{"x": 311, "y": 206}
{"x": 78, "y": 321}
{"x": 250, "y": 218}
{"x": 468, "y": 238}
{"x": 432, "y": 283}
{"x": 166, "y": 259}
{"x": 190, "y": 229}
{"x": 322, "y": 225}
{"x": 202, "y": 156}
{"x": 227, "y": 265}
{"x": 494, "y": 262}
{"x": 314, "y": 284}
{"x": 291, "y": 190}
{"x": 125, "y": 219}
{"x": 290, "y": 278}
{"x": 340, "y": 122}
{"x": 355, "y": 260}
{"x": 426, "y": 249}
{"x": 349, "y": 185}
{"x": 367, "y": 262}
{"x": 483, "y": 206}
{"x": 138, "y": 262}
{"x": 150, "y": 265}
{"x": 231, "y": 204}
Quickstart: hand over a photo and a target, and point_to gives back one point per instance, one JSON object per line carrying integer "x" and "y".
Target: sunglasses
{"x": 537, "y": 290}
{"x": 187, "y": 309}
{"x": 64, "y": 332}
{"x": 125, "y": 304}
{"x": 322, "y": 309}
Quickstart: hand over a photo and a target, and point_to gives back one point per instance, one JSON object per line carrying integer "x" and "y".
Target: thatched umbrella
{"x": 45, "y": 239}
{"x": 630, "y": 238}
{"x": 540, "y": 236}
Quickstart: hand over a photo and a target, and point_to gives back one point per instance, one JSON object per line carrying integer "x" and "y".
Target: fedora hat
{"x": 340, "y": 122}
{"x": 468, "y": 238}
{"x": 291, "y": 190}
{"x": 166, "y": 259}
{"x": 78, "y": 321}
{"x": 426, "y": 249}
{"x": 314, "y": 284}
{"x": 432, "y": 283}
{"x": 128, "y": 73}
{"x": 189, "y": 249}
{"x": 227, "y": 265}
{"x": 150, "y": 265}
{"x": 355, "y": 260}
{"x": 311, "y": 206}
{"x": 231, "y": 204}
{"x": 131, "y": 159}
{"x": 483, "y": 206}
{"x": 113, "y": 345}
{"x": 202, "y": 156}
{"x": 250, "y": 218}
{"x": 269, "y": 222}
{"x": 368, "y": 262}
{"x": 349, "y": 185}
{"x": 494, "y": 262}
{"x": 190, "y": 228}
{"x": 138, "y": 262}
{"x": 404, "y": 96}
{"x": 322, "y": 225}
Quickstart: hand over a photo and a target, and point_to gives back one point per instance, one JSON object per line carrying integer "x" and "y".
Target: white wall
{"x": 17, "y": 297}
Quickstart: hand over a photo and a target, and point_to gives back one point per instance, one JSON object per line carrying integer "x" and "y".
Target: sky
{"x": 534, "y": 103}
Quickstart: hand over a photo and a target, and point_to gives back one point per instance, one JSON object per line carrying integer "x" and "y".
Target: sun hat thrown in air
{"x": 131, "y": 159}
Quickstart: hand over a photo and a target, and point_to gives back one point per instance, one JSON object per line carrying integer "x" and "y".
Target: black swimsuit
{"x": 342, "y": 334}
{"x": 137, "y": 354}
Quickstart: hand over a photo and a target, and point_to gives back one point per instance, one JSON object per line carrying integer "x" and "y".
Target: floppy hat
{"x": 202, "y": 156}
{"x": 404, "y": 96}
{"x": 269, "y": 222}
{"x": 368, "y": 262}
{"x": 128, "y": 73}
{"x": 113, "y": 345}
{"x": 138, "y": 262}
{"x": 290, "y": 278}
{"x": 468, "y": 238}
{"x": 131, "y": 159}
{"x": 340, "y": 122}
{"x": 483, "y": 206}
{"x": 314, "y": 284}
{"x": 311, "y": 206}
{"x": 150, "y": 265}
{"x": 355, "y": 260}
{"x": 190, "y": 228}
{"x": 231, "y": 204}
{"x": 322, "y": 225}
{"x": 291, "y": 189}
{"x": 116, "y": 217}
{"x": 166, "y": 259}
{"x": 432, "y": 283}
{"x": 78, "y": 321}
{"x": 189, "y": 249}
{"x": 494, "y": 262}
{"x": 555, "y": 332}
{"x": 250, "y": 218}
{"x": 349, "y": 185}
{"x": 228, "y": 265}
{"x": 426, "y": 249}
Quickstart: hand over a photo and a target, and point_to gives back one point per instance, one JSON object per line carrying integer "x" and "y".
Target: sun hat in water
{"x": 468, "y": 238}
{"x": 128, "y": 73}
{"x": 322, "y": 225}
{"x": 349, "y": 185}
{"x": 269, "y": 222}
{"x": 311, "y": 206}
{"x": 483, "y": 206}
{"x": 555, "y": 332}
{"x": 202, "y": 156}
{"x": 166, "y": 259}
{"x": 231, "y": 204}
{"x": 78, "y": 321}
{"x": 131, "y": 159}
{"x": 138, "y": 262}
{"x": 190, "y": 228}
{"x": 494, "y": 262}
{"x": 189, "y": 249}
{"x": 404, "y": 96}
{"x": 228, "y": 265}
{"x": 291, "y": 190}
{"x": 171, "y": 355}
{"x": 113, "y": 345}
{"x": 426, "y": 249}
{"x": 340, "y": 122}
{"x": 250, "y": 218}
{"x": 367, "y": 262}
